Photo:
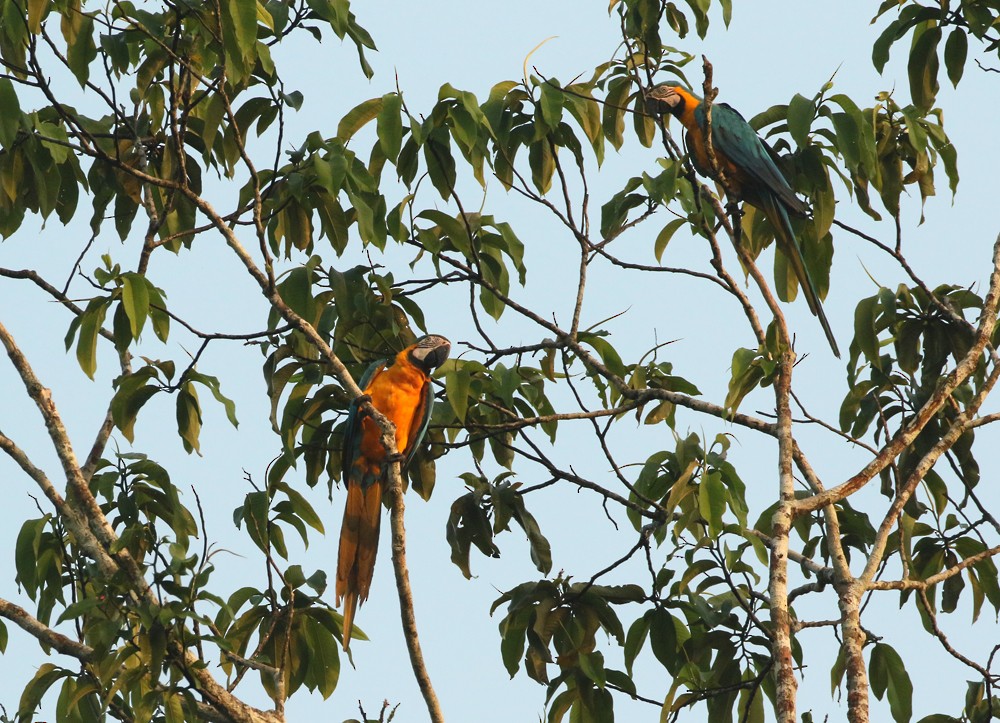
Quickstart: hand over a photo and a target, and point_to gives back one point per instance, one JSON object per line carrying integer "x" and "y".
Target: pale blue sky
{"x": 779, "y": 48}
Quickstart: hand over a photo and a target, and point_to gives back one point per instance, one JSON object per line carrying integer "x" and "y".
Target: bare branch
{"x": 406, "y": 609}
{"x": 45, "y": 635}
{"x": 910, "y": 584}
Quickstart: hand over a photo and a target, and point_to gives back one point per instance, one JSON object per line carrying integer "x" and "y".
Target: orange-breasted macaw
{"x": 750, "y": 173}
{"x": 401, "y": 390}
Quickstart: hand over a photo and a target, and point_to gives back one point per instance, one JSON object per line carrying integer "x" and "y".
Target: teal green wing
{"x": 421, "y": 420}
{"x": 789, "y": 245}
{"x": 738, "y": 141}
{"x": 767, "y": 188}
{"x": 352, "y": 428}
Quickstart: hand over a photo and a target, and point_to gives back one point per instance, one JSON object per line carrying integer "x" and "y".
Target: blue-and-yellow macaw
{"x": 401, "y": 390}
{"x": 750, "y": 172}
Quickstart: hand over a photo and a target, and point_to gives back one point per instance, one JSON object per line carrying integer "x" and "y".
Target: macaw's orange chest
{"x": 735, "y": 176}
{"x": 398, "y": 393}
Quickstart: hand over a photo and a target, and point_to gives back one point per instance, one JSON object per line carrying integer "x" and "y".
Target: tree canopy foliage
{"x": 164, "y": 123}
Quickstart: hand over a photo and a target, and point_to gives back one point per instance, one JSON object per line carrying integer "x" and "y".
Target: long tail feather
{"x": 358, "y": 547}
{"x": 789, "y": 245}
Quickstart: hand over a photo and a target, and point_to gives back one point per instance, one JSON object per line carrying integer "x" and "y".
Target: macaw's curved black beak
{"x": 430, "y": 352}
{"x": 438, "y": 356}
{"x": 662, "y": 99}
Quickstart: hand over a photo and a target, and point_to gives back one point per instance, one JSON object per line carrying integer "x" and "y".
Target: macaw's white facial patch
{"x": 430, "y": 352}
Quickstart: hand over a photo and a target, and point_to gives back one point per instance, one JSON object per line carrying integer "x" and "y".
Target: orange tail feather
{"x": 358, "y": 547}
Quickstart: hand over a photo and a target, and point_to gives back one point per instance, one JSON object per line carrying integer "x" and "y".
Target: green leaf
{"x": 551, "y": 103}
{"x": 865, "y": 334}
{"x": 468, "y": 524}
{"x": 955, "y": 51}
{"x": 79, "y": 608}
{"x": 865, "y": 134}
{"x": 922, "y": 68}
{"x": 135, "y": 300}
{"x": 239, "y": 34}
{"x": 644, "y": 124}
{"x": 712, "y": 501}
{"x": 188, "y": 417}
{"x": 837, "y": 671}
{"x": 173, "y": 709}
{"x": 663, "y": 238}
{"x": 512, "y": 639}
{"x": 255, "y": 513}
{"x": 587, "y": 113}
{"x": 542, "y": 164}
{"x": 457, "y": 384}
{"x": 389, "y": 126}
{"x": 978, "y": 15}
{"x": 90, "y": 327}
{"x": 423, "y": 475}
{"x": 302, "y": 508}
{"x": 323, "y": 656}
{"x": 10, "y": 113}
{"x": 636, "y": 638}
{"x": 848, "y": 139}
{"x": 296, "y": 291}
{"x": 133, "y": 392}
{"x": 609, "y": 355}
{"x": 663, "y": 639}
{"x": 907, "y": 344}
{"x": 880, "y": 49}
{"x": 951, "y": 592}
{"x": 888, "y": 674}
{"x": 37, "y": 10}
{"x": 31, "y": 698}
{"x": 974, "y": 694}
{"x": 727, "y": 11}
{"x": 244, "y": 14}
{"x": 613, "y": 120}
{"x": 541, "y": 551}
{"x": 26, "y": 555}
{"x": 440, "y": 162}
{"x": 78, "y": 30}
{"x": 358, "y": 117}
{"x": 946, "y": 150}
{"x": 592, "y": 665}
{"x": 215, "y": 387}
{"x": 747, "y": 374}
{"x": 801, "y": 112}
{"x": 568, "y": 699}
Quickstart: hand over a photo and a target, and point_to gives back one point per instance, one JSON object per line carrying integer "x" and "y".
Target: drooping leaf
{"x": 922, "y": 68}
{"x": 135, "y": 300}
{"x": 956, "y": 48}
{"x": 10, "y": 113}
{"x": 390, "y": 126}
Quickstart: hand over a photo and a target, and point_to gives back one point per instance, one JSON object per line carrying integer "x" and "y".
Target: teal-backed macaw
{"x": 750, "y": 172}
{"x": 401, "y": 390}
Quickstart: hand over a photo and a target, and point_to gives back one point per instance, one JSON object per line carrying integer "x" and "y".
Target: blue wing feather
{"x": 764, "y": 186}
{"x": 739, "y": 142}
{"x": 424, "y": 422}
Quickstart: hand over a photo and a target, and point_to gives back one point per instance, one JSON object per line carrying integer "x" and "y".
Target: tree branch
{"x": 45, "y": 635}
{"x": 406, "y": 610}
